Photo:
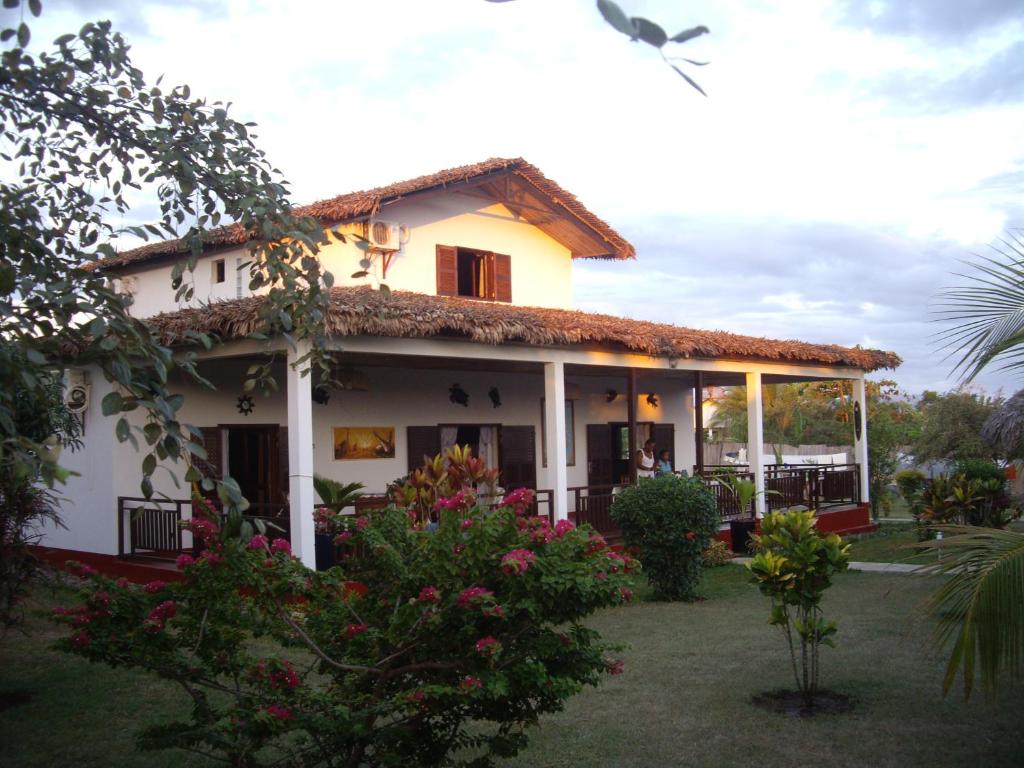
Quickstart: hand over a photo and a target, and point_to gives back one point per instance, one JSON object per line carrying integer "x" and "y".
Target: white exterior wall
{"x": 541, "y": 267}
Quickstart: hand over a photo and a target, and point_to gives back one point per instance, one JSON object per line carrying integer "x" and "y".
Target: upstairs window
{"x": 219, "y": 275}
{"x": 473, "y": 274}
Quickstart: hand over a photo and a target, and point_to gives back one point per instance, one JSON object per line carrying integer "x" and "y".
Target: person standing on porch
{"x": 645, "y": 461}
{"x": 664, "y": 462}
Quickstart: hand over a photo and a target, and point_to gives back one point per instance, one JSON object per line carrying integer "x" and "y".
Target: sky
{"x": 848, "y": 159}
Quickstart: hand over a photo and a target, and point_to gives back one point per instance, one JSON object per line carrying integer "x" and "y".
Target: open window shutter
{"x": 420, "y": 442}
{"x": 664, "y": 436}
{"x": 212, "y": 465}
{"x": 282, "y": 462}
{"x": 518, "y": 457}
{"x": 502, "y": 271}
{"x": 447, "y": 271}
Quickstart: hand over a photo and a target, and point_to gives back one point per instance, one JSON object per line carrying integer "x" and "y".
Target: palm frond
{"x": 987, "y": 312}
{"x": 334, "y": 495}
{"x": 980, "y": 608}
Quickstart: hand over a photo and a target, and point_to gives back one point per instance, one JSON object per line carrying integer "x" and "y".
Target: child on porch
{"x": 664, "y": 463}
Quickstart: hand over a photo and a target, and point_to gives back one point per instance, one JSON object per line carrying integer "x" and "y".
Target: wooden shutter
{"x": 282, "y": 464}
{"x": 599, "y": 454}
{"x": 664, "y": 436}
{"x": 420, "y": 442}
{"x": 502, "y": 271}
{"x": 212, "y": 466}
{"x": 447, "y": 271}
{"x": 518, "y": 449}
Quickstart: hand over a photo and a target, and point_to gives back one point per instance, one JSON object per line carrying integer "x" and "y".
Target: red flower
{"x": 517, "y": 562}
{"x": 470, "y": 683}
{"x": 488, "y": 646}
{"x": 625, "y": 593}
{"x": 342, "y": 537}
{"x": 362, "y": 522}
{"x": 286, "y": 677}
{"x": 210, "y": 557}
{"x": 280, "y": 713}
{"x": 184, "y": 561}
{"x": 259, "y": 541}
{"x": 467, "y": 523}
{"x": 354, "y": 588}
{"x": 562, "y": 527}
{"x": 355, "y": 629}
{"x": 417, "y": 697}
{"x": 80, "y": 639}
{"x": 690, "y": 534}
{"x": 472, "y": 596}
{"x": 155, "y": 586}
{"x": 520, "y": 499}
{"x": 103, "y": 598}
{"x": 429, "y": 595}
{"x": 281, "y": 545}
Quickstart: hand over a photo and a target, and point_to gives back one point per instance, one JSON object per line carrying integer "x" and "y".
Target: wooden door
{"x": 664, "y": 436}
{"x": 599, "y": 454}
{"x": 420, "y": 443}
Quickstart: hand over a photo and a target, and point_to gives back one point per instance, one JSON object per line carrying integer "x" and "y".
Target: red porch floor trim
{"x": 136, "y": 571}
{"x": 852, "y": 520}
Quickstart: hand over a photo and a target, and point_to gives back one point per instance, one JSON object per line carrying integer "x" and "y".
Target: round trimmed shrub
{"x": 671, "y": 521}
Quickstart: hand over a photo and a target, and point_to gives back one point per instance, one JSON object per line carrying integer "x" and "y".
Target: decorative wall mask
{"x": 611, "y": 394}
{"x": 245, "y": 405}
{"x": 458, "y": 395}
{"x": 495, "y": 396}
{"x": 652, "y": 400}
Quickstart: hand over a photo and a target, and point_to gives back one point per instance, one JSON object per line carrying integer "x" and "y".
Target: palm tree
{"x": 980, "y": 609}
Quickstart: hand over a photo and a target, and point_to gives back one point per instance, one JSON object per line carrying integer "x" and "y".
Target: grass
{"x": 891, "y": 544}
{"x": 684, "y": 699}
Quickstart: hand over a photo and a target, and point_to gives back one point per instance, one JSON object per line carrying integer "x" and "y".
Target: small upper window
{"x": 473, "y": 273}
{"x": 219, "y": 275}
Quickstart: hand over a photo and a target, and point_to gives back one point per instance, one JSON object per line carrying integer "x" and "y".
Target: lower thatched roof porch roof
{"x": 367, "y": 312}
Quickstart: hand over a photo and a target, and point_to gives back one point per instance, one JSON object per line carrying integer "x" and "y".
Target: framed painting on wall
{"x": 364, "y": 443}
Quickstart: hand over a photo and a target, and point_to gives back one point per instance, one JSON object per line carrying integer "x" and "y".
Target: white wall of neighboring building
{"x": 541, "y": 267}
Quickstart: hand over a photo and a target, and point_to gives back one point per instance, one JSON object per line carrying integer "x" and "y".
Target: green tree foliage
{"x": 951, "y": 426}
{"x": 893, "y": 424}
{"x": 670, "y": 521}
{"x": 431, "y": 645}
{"x": 794, "y": 566}
{"x": 85, "y": 136}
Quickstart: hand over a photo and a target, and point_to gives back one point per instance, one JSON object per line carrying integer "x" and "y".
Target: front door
{"x": 254, "y": 461}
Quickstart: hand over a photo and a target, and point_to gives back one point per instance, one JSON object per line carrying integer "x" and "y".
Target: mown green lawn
{"x": 892, "y": 543}
{"x": 684, "y": 699}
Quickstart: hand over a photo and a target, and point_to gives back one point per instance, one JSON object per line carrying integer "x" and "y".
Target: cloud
{"x": 132, "y": 17}
{"x": 940, "y": 19}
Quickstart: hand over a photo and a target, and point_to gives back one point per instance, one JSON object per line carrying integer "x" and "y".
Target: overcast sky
{"x": 847, "y": 156}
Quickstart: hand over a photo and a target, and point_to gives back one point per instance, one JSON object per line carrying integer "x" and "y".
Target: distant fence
{"x": 715, "y": 453}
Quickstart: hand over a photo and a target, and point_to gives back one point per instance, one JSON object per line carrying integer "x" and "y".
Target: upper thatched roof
{"x": 364, "y": 311}
{"x": 355, "y": 206}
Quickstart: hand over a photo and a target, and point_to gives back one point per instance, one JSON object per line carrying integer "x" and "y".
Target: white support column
{"x": 554, "y": 436}
{"x": 300, "y": 457}
{"x": 755, "y": 438}
{"x": 860, "y": 435}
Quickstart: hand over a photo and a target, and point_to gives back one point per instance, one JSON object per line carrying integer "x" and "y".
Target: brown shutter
{"x": 599, "y": 454}
{"x": 447, "y": 271}
{"x": 502, "y": 271}
{"x": 518, "y": 450}
{"x": 212, "y": 465}
{"x": 421, "y": 442}
{"x": 664, "y": 436}
{"x": 282, "y": 464}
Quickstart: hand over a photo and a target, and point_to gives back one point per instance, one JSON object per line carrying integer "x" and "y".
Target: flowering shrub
{"x": 671, "y": 521}
{"x": 383, "y": 660}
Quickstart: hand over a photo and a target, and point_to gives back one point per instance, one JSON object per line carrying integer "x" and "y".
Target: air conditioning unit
{"x": 386, "y": 235}
{"x": 76, "y": 394}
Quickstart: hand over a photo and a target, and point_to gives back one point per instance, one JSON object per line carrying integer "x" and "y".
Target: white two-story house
{"x": 477, "y": 344}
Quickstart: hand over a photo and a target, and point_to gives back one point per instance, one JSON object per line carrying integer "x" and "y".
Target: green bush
{"x": 716, "y": 554}
{"x": 980, "y": 469}
{"x": 671, "y": 521}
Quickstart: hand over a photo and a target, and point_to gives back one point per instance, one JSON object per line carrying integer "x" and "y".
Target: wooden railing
{"x": 153, "y": 526}
{"x": 817, "y": 487}
{"x": 726, "y": 501}
{"x": 592, "y": 505}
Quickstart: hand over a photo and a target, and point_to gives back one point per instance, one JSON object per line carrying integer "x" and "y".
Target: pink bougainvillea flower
{"x": 417, "y": 696}
{"x": 342, "y": 537}
{"x": 122, "y": 582}
{"x": 285, "y": 678}
{"x": 259, "y": 541}
{"x": 473, "y": 596}
{"x": 184, "y": 561}
{"x": 520, "y": 500}
{"x": 429, "y": 595}
{"x": 626, "y": 594}
{"x": 457, "y": 549}
{"x": 562, "y": 527}
{"x": 488, "y": 646}
{"x": 101, "y": 598}
{"x": 362, "y": 522}
{"x": 203, "y": 529}
{"x": 690, "y": 534}
{"x": 517, "y": 562}
{"x": 355, "y": 629}
{"x": 155, "y": 586}
{"x": 80, "y": 639}
{"x": 354, "y": 589}
{"x": 467, "y": 523}
{"x": 210, "y": 557}
{"x": 279, "y": 713}
{"x": 281, "y": 545}
{"x": 83, "y": 570}
{"x": 469, "y": 683}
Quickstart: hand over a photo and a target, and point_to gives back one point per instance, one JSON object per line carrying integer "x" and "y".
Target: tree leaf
{"x": 112, "y": 403}
{"x": 688, "y": 79}
{"x": 649, "y": 32}
{"x": 689, "y": 34}
{"x": 616, "y": 17}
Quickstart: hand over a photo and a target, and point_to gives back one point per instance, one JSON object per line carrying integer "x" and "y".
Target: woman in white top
{"x": 645, "y": 460}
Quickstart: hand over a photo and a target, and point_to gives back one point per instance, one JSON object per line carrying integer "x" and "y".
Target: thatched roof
{"x": 1004, "y": 429}
{"x": 355, "y": 206}
{"x": 364, "y": 311}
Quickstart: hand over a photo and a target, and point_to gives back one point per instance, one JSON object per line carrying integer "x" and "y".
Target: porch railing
{"x": 153, "y": 526}
{"x": 592, "y": 504}
{"x": 817, "y": 487}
